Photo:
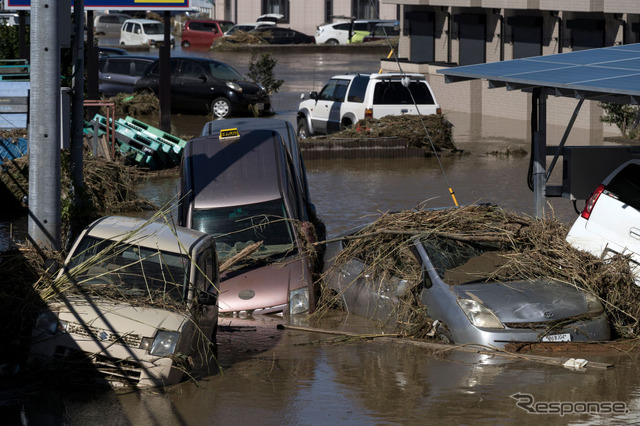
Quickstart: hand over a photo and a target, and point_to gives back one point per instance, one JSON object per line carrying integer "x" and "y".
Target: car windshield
{"x": 223, "y": 71}
{"x": 238, "y": 227}
{"x": 156, "y": 28}
{"x": 459, "y": 262}
{"x": 130, "y": 271}
{"x": 226, "y": 26}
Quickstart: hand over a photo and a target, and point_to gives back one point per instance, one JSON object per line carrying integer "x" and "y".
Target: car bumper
{"x": 118, "y": 364}
{"x": 593, "y": 329}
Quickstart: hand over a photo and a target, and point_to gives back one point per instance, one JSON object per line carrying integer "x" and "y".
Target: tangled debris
{"x": 241, "y": 37}
{"x": 407, "y": 127}
{"x": 535, "y": 249}
{"x": 134, "y": 105}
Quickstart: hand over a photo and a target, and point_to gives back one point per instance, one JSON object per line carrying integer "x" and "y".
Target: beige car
{"x": 138, "y": 302}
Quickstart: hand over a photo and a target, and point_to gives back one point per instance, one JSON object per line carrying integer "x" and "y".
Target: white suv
{"x": 610, "y": 221}
{"x": 347, "y": 99}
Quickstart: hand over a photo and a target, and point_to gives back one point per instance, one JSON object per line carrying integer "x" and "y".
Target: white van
{"x": 143, "y": 31}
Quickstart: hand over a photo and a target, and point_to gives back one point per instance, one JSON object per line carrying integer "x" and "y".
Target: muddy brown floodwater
{"x": 272, "y": 376}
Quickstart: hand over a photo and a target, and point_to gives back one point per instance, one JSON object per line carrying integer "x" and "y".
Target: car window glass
{"x": 191, "y": 70}
{"x": 341, "y": 90}
{"x": 327, "y": 91}
{"x": 224, "y": 72}
{"x": 626, "y": 185}
{"x": 208, "y": 26}
{"x": 139, "y": 67}
{"x": 342, "y": 27}
{"x": 226, "y": 26}
{"x": 358, "y": 88}
{"x": 154, "y": 28}
{"x": 119, "y": 67}
{"x": 205, "y": 273}
{"x": 394, "y": 93}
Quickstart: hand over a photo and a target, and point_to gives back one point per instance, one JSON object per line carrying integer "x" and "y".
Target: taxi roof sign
{"x": 229, "y": 135}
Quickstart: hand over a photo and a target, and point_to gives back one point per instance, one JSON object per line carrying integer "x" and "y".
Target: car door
{"x": 326, "y": 114}
{"x": 191, "y": 87}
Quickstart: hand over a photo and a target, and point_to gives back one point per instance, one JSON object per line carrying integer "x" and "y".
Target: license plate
{"x": 564, "y": 337}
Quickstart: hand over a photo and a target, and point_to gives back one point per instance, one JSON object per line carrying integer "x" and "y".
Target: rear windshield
{"x": 626, "y": 185}
{"x": 237, "y": 227}
{"x": 394, "y": 93}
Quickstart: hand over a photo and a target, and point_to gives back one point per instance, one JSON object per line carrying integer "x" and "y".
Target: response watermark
{"x": 528, "y": 403}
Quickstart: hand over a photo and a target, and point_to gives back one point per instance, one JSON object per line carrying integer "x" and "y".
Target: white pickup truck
{"x": 347, "y": 99}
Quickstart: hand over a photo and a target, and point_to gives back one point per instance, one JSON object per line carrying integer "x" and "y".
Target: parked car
{"x": 244, "y": 182}
{"x": 118, "y": 74}
{"x": 348, "y": 98}
{"x": 277, "y": 35}
{"x": 610, "y": 221}
{"x": 465, "y": 307}
{"x": 142, "y": 296}
{"x": 110, "y": 51}
{"x": 143, "y": 32}
{"x": 334, "y": 33}
{"x": 203, "y": 32}
{"x": 382, "y": 32}
{"x": 109, "y": 23}
{"x": 11, "y": 19}
{"x": 207, "y": 85}
{"x": 236, "y": 29}
{"x": 364, "y": 27}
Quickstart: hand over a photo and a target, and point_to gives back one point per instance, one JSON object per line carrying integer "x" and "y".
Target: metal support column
{"x": 165, "y": 76}
{"x": 44, "y": 222}
{"x": 539, "y": 137}
{"x": 77, "y": 115}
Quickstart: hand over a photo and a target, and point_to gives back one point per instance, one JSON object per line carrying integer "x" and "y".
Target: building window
{"x": 365, "y": 9}
{"x": 328, "y": 11}
{"x": 277, "y": 6}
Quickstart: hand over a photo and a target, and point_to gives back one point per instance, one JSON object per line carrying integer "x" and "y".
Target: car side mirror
{"x": 203, "y": 77}
{"x": 207, "y": 299}
{"x": 314, "y": 95}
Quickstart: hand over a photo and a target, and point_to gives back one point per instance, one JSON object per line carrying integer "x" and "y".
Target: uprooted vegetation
{"x": 410, "y": 128}
{"x": 534, "y": 249}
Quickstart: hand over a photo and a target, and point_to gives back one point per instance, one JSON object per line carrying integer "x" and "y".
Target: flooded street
{"x": 273, "y": 376}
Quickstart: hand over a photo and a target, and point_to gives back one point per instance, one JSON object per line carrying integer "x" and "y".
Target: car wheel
{"x": 346, "y": 123}
{"x": 332, "y": 41}
{"x": 303, "y": 129}
{"x": 443, "y": 334}
{"x": 221, "y": 108}
{"x": 186, "y": 44}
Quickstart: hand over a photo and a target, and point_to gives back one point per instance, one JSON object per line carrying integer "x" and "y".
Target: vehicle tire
{"x": 221, "y": 108}
{"x": 332, "y": 41}
{"x": 186, "y": 44}
{"x": 303, "y": 128}
{"x": 442, "y": 332}
{"x": 346, "y": 123}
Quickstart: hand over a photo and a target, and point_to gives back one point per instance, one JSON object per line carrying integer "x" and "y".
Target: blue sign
{"x": 113, "y": 4}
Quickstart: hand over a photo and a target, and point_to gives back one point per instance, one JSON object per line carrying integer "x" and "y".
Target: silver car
{"x": 464, "y": 306}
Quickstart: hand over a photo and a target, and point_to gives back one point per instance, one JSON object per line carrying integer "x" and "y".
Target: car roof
{"x": 207, "y": 20}
{"x": 143, "y": 21}
{"x": 146, "y": 233}
{"x": 385, "y": 76}
{"x": 244, "y": 171}
{"x": 125, "y": 57}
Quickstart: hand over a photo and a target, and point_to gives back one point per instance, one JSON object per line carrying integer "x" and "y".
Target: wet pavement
{"x": 272, "y": 376}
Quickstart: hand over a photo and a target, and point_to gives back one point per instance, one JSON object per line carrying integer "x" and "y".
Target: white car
{"x": 336, "y": 33}
{"x": 610, "y": 221}
{"x": 347, "y": 99}
{"x": 138, "y": 300}
{"x": 143, "y": 32}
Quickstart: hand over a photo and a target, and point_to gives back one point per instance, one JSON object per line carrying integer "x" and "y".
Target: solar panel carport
{"x": 610, "y": 74}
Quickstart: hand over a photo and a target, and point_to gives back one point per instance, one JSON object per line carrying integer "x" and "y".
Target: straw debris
{"x": 407, "y": 127}
{"x": 531, "y": 248}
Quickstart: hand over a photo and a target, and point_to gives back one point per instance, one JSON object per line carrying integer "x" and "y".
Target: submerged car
{"x": 206, "y": 85}
{"x": 610, "y": 221}
{"x": 141, "y": 302}
{"x": 118, "y": 74}
{"x": 276, "y": 35}
{"x": 465, "y": 306}
{"x": 244, "y": 183}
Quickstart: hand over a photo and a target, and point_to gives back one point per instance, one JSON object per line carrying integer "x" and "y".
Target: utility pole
{"x": 44, "y": 223}
{"x": 77, "y": 115}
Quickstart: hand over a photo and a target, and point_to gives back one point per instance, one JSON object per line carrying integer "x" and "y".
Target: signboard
{"x": 113, "y": 4}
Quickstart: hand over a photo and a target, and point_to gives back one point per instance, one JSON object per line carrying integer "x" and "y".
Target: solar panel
{"x": 611, "y": 70}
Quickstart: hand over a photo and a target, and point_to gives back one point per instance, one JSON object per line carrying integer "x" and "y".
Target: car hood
{"x": 263, "y": 287}
{"x": 527, "y": 301}
{"x": 121, "y": 318}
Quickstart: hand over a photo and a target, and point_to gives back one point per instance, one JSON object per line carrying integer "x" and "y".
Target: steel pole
{"x": 44, "y": 221}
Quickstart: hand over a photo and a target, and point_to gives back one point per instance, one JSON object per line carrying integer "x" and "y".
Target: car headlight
{"x": 164, "y": 343}
{"x": 48, "y": 322}
{"x": 234, "y": 86}
{"x": 299, "y": 301}
{"x": 594, "y": 307}
{"x": 478, "y": 314}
